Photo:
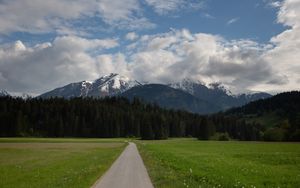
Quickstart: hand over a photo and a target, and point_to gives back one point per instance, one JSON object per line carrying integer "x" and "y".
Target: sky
{"x": 247, "y": 45}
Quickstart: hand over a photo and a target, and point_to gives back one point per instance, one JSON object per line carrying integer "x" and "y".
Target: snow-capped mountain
{"x": 3, "y": 93}
{"x": 109, "y": 85}
{"x": 14, "y": 95}
{"x": 216, "y": 93}
{"x": 187, "y": 85}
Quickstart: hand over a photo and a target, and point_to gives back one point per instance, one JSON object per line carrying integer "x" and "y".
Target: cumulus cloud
{"x": 39, "y": 16}
{"x": 285, "y": 54}
{"x": 179, "y": 54}
{"x": 241, "y": 65}
{"x": 48, "y": 65}
{"x": 167, "y": 6}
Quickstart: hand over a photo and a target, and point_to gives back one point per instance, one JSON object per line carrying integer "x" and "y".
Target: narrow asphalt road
{"x": 128, "y": 171}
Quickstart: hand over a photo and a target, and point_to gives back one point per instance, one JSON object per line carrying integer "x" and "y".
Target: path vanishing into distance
{"x": 128, "y": 171}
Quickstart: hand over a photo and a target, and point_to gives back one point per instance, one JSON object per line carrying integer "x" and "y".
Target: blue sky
{"x": 248, "y": 45}
{"x": 252, "y": 19}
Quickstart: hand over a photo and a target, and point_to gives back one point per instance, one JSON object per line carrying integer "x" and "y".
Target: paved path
{"x": 128, "y": 171}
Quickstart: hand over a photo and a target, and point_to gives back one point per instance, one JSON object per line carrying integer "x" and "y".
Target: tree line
{"x": 113, "y": 117}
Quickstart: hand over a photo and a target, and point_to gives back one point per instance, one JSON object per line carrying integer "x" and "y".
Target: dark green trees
{"x": 207, "y": 129}
{"x": 109, "y": 117}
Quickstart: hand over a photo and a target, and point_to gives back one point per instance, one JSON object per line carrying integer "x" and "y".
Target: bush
{"x": 224, "y": 137}
{"x": 221, "y": 136}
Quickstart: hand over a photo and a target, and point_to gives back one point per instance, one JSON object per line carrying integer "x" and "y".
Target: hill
{"x": 279, "y": 115}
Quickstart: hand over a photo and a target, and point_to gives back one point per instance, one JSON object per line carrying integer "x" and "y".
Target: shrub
{"x": 221, "y": 136}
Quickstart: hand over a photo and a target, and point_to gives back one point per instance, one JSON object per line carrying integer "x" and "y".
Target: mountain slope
{"x": 217, "y": 94}
{"x": 279, "y": 115}
{"x": 170, "y": 98}
{"x": 109, "y": 85}
{"x": 288, "y": 102}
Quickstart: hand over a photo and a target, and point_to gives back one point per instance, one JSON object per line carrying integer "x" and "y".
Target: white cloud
{"x": 272, "y": 3}
{"x": 48, "y": 65}
{"x": 123, "y": 14}
{"x": 233, "y": 20}
{"x": 286, "y": 52}
{"x": 39, "y": 16}
{"x": 275, "y": 4}
{"x": 131, "y": 36}
{"x": 166, "y": 57}
{"x": 166, "y": 6}
{"x": 179, "y": 54}
{"x": 74, "y": 43}
{"x": 242, "y": 65}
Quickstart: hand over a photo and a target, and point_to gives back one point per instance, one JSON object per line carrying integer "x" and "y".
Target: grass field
{"x": 32, "y": 162}
{"x": 192, "y": 163}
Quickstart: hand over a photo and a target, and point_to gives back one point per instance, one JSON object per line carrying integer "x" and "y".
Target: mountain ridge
{"x": 215, "y": 94}
{"x": 109, "y": 85}
{"x": 170, "y": 98}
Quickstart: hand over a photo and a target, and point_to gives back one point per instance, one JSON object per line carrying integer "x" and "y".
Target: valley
{"x": 149, "y": 94}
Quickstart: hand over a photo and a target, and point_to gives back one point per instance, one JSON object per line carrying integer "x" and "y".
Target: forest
{"x": 279, "y": 116}
{"x": 114, "y": 117}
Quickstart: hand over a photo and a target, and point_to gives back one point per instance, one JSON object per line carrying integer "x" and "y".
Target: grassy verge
{"x": 191, "y": 163}
{"x": 55, "y": 162}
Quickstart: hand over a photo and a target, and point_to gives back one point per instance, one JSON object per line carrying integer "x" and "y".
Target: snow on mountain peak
{"x": 186, "y": 84}
{"x": 4, "y": 92}
{"x": 113, "y": 81}
{"x": 108, "y": 85}
{"x": 221, "y": 87}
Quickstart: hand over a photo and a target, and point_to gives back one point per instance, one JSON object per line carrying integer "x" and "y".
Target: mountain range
{"x": 217, "y": 94}
{"x": 170, "y": 98}
{"x": 189, "y": 95}
{"x": 4, "y": 93}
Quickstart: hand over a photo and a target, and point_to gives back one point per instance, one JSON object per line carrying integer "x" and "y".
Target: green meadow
{"x": 191, "y": 163}
{"x": 44, "y": 162}
{"x": 173, "y": 163}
